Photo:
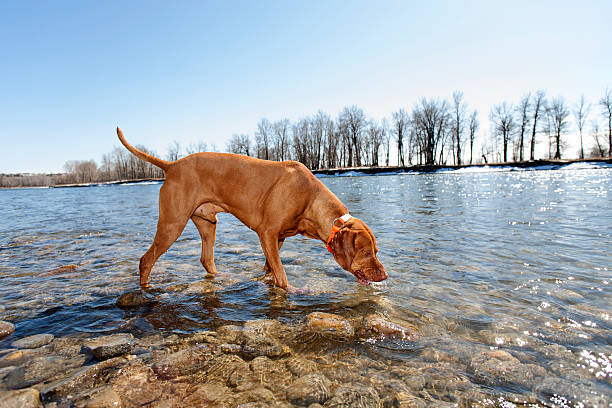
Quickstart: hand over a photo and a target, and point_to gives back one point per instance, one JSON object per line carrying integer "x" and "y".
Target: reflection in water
{"x": 516, "y": 261}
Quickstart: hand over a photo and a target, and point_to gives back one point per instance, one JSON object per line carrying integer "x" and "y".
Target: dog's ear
{"x": 372, "y": 237}
{"x": 344, "y": 247}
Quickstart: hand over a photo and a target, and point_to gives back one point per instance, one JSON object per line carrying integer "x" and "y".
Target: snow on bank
{"x": 477, "y": 169}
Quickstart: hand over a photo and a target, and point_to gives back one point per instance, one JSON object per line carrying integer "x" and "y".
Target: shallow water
{"x": 517, "y": 261}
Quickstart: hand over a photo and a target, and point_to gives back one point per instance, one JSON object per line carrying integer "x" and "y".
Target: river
{"x": 516, "y": 263}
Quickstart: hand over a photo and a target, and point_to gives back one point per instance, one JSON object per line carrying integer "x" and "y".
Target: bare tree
{"x": 239, "y": 144}
{"x": 581, "y": 112}
{"x": 353, "y": 120}
{"x": 598, "y": 150}
{"x": 503, "y": 123}
{"x": 473, "y": 128}
{"x": 606, "y": 107}
{"x": 280, "y": 130}
{"x": 558, "y": 114}
{"x": 262, "y": 138}
{"x": 375, "y": 140}
{"x": 430, "y": 119}
{"x": 199, "y": 146}
{"x": 523, "y": 115}
{"x": 458, "y": 124}
{"x": 539, "y": 104}
{"x": 399, "y": 123}
{"x": 174, "y": 151}
{"x": 386, "y": 137}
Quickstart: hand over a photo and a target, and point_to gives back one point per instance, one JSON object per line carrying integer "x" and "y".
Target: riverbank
{"x": 385, "y": 170}
{"x": 511, "y": 166}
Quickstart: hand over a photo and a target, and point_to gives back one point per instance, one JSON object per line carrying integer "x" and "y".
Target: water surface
{"x": 517, "y": 261}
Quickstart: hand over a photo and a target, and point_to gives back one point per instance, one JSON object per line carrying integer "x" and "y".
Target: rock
{"x": 354, "y": 396}
{"x": 6, "y": 328}
{"x": 309, "y": 389}
{"x": 67, "y": 346}
{"x": 35, "y": 341}
{"x": 498, "y": 367}
{"x": 87, "y": 377}
{"x": 221, "y": 367}
{"x": 203, "y": 287}
{"x": 184, "y": 362}
{"x": 131, "y": 299}
{"x": 264, "y": 346}
{"x": 255, "y": 395}
{"x": 37, "y": 370}
{"x": 328, "y": 324}
{"x": 270, "y": 372}
{"x": 212, "y": 393}
{"x": 380, "y": 326}
{"x": 110, "y": 346}
{"x": 229, "y": 333}
{"x": 27, "y": 398}
{"x": 300, "y": 366}
{"x": 101, "y": 397}
{"x": 136, "y": 384}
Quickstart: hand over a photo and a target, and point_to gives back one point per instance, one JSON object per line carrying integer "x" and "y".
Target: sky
{"x": 194, "y": 71}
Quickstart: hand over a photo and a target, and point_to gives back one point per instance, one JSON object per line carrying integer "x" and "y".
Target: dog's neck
{"x": 326, "y": 218}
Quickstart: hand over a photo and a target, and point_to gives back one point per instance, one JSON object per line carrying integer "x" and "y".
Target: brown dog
{"x": 275, "y": 199}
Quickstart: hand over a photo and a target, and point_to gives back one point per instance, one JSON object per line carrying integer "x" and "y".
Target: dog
{"x": 275, "y": 199}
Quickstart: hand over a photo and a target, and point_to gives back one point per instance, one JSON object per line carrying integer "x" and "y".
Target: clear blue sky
{"x": 193, "y": 70}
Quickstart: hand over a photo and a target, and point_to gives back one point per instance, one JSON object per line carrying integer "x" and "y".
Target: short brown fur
{"x": 275, "y": 199}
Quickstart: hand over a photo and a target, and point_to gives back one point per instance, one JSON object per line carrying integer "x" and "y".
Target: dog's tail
{"x": 162, "y": 164}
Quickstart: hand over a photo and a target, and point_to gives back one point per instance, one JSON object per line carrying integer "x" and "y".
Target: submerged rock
{"x": 380, "y": 326}
{"x": 328, "y": 324}
{"x": 184, "y": 362}
{"x": 87, "y": 377}
{"x": 27, "y": 398}
{"x": 131, "y": 299}
{"x": 113, "y": 345}
{"x": 35, "y": 341}
{"x": 354, "y": 396}
{"x": 37, "y": 370}
{"x": 309, "y": 389}
{"x": 6, "y": 328}
{"x": 498, "y": 367}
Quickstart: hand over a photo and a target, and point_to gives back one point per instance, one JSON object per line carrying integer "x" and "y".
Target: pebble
{"x": 110, "y": 346}
{"x": 6, "y": 328}
{"x": 328, "y": 324}
{"x": 35, "y": 341}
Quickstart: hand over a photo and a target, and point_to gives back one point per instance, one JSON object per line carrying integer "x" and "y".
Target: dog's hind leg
{"x": 170, "y": 225}
{"x": 208, "y": 231}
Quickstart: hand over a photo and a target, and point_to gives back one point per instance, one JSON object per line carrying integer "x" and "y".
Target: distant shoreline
{"x": 366, "y": 171}
{"x": 434, "y": 168}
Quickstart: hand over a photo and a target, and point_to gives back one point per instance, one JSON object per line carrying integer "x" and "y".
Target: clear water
{"x": 518, "y": 260}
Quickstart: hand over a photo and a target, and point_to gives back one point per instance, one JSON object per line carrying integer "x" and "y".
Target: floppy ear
{"x": 371, "y": 236}
{"x": 344, "y": 248}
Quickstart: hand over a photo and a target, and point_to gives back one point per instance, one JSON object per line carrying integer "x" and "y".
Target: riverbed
{"x": 502, "y": 276}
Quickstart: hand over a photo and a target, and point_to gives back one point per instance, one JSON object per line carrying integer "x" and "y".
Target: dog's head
{"x": 354, "y": 248}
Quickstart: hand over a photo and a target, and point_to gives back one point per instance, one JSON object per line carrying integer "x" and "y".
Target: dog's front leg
{"x": 270, "y": 245}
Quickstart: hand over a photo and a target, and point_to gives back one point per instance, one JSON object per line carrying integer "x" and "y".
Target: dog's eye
{"x": 366, "y": 252}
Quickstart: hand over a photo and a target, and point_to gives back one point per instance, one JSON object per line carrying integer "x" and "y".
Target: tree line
{"x": 434, "y": 132}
